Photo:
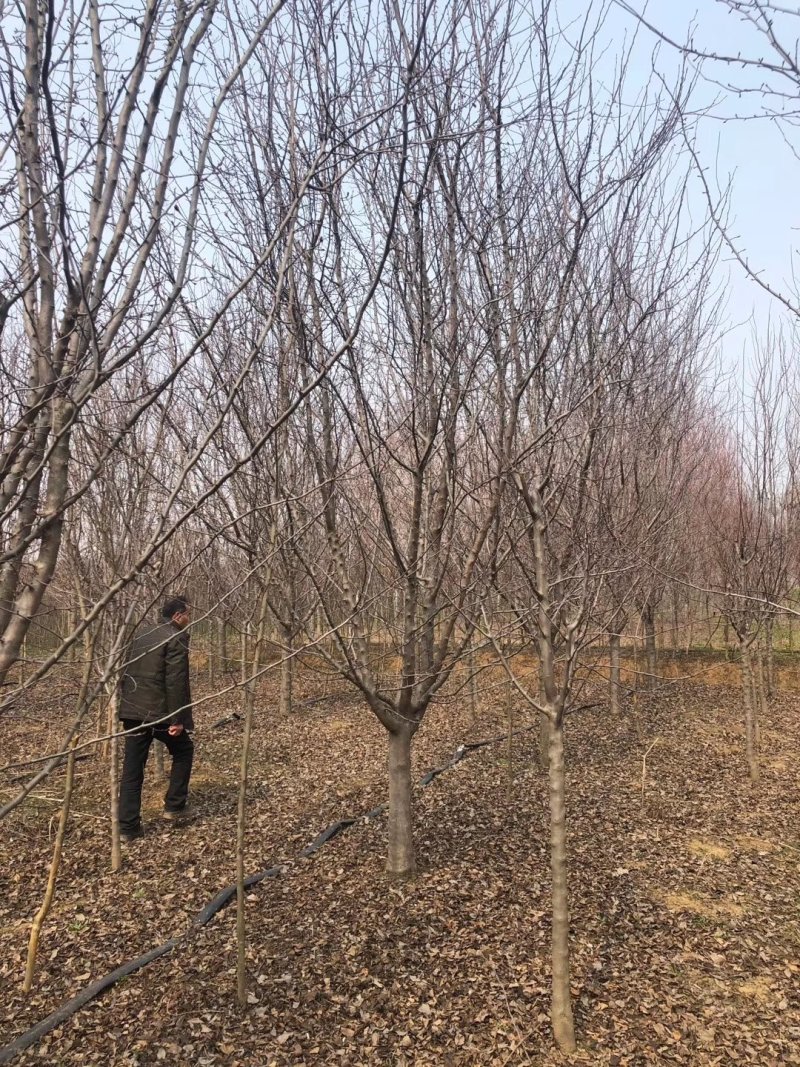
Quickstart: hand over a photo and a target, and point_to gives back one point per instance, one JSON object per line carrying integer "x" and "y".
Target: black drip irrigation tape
{"x": 214, "y": 906}
{"x": 60, "y": 1015}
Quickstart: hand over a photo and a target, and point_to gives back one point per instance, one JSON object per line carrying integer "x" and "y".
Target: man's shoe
{"x": 181, "y": 815}
{"x": 131, "y": 835}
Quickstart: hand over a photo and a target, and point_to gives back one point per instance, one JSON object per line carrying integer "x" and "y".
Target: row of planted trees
{"x": 408, "y": 363}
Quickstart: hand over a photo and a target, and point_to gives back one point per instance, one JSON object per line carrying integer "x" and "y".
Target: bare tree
{"x": 751, "y": 511}
{"x": 760, "y": 81}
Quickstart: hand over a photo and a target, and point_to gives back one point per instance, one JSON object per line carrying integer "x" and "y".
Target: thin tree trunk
{"x": 651, "y": 655}
{"x": 760, "y": 703}
{"x": 116, "y": 853}
{"x": 635, "y": 689}
{"x": 241, "y": 817}
{"x": 400, "y": 861}
{"x": 70, "y": 626}
{"x": 222, "y": 645}
{"x": 241, "y": 932}
{"x": 544, "y": 723}
{"x": 674, "y": 642}
{"x": 287, "y": 677}
{"x": 770, "y": 656}
{"x": 561, "y": 1001}
{"x": 473, "y": 685}
{"x": 613, "y": 677}
{"x": 158, "y": 761}
{"x": 510, "y": 721}
{"x": 750, "y": 714}
{"x": 544, "y": 741}
{"x": 243, "y": 652}
{"x": 42, "y": 913}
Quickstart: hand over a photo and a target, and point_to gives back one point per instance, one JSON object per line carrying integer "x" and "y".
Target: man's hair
{"x": 173, "y": 606}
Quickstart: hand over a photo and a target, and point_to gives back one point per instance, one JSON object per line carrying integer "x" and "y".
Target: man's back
{"x": 156, "y": 679}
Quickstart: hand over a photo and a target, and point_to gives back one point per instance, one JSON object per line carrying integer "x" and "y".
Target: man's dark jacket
{"x": 156, "y": 679}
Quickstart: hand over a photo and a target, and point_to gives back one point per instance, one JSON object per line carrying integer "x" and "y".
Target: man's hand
{"x": 175, "y": 729}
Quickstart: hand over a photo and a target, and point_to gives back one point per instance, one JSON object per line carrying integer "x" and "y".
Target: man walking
{"x": 155, "y": 703}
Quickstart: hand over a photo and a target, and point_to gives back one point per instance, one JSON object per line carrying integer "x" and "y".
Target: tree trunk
{"x": 113, "y": 773}
{"x": 210, "y": 649}
{"x": 70, "y": 623}
{"x": 241, "y": 816}
{"x": 222, "y": 645}
{"x": 473, "y": 685}
{"x": 760, "y": 700}
{"x": 287, "y": 678}
{"x": 750, "y": 713}
{"x": 613, "y": 678}
{"x": 770, "y": 658}
{"x": 561, "y": 1002}
{"x": 674, "y": 642}
{"x": 544, "y": 741}
{"x": 400, "y": 862}
{"x": 544, "y": 723}
{"x": 158, "y": 761}
{"x": 243, "y": 668}
{"x": 510, "y": 739}
{"x": 241, "y": 938}
{"x": 651, "y": 654}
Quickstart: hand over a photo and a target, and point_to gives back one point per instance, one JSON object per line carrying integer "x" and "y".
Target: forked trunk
{"x": 561, "y": 1002}
{"x": 750, "y": 713}
{"x": 400, "y": 862}
{"x": 613, "y": 678}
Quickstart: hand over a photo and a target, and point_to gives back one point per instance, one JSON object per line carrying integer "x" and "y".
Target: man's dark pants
{"x": 137, "y": 747}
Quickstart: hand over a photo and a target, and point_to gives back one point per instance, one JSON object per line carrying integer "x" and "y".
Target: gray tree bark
{"x": 400, "y": 863}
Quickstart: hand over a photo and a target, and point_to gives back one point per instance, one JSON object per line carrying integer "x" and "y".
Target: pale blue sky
{"x": 765, "y": 176}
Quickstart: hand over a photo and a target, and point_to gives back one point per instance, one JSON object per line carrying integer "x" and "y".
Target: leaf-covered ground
{"x": 685, "y": 898}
